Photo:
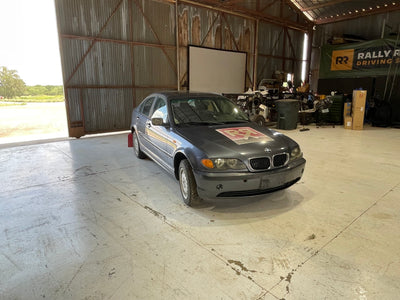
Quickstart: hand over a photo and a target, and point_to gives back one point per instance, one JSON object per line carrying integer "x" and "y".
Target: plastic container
{"x": 288, "y": 114}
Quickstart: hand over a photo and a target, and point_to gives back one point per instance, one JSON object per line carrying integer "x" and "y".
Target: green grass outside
{"x": 12, "y": 104}
{"x": 36, "y": 98}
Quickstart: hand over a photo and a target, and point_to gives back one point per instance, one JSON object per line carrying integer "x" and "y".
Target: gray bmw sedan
{"x": 212, "y": 148}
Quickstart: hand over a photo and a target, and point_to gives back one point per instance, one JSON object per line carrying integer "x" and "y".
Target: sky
{"x": 29, "y": 41}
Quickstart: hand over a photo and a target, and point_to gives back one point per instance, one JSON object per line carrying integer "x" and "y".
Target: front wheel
{"x": 187, "y": 184}
{"x": 136, "y": 146}
{"x": 260, "y": 120}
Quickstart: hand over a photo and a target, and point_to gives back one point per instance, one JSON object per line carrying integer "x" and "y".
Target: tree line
{"x": 50, "y": 90}
{"x": 11, "y": 86}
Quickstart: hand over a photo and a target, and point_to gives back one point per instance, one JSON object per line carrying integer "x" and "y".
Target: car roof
{"x": 185, "y": 94}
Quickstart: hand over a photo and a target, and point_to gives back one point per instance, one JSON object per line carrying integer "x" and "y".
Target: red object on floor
{"x": 130, "y": 140}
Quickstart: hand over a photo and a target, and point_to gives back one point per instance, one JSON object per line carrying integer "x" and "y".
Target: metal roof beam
{"x": 325, "y": 4}
{"x": 362, "y": 13}
{"x": 107, "y": 40}
{"x": 246, "y": 13}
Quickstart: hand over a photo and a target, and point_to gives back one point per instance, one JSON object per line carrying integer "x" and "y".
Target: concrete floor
{"x": 85, "y": 219}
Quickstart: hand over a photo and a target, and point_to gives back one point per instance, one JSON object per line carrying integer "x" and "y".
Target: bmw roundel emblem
{"x": 267, "y": 150}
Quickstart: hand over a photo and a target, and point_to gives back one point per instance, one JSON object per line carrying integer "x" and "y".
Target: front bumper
{"x": 216, "y": 185}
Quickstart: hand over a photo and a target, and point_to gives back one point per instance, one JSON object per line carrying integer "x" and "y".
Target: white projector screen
{"x": 216, "y": 71}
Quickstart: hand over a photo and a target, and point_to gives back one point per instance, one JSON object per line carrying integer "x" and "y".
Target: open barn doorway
{"x": 31, "y": 92}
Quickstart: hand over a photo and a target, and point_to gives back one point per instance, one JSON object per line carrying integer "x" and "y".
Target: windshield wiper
{"x": 236, "y": 121}
{"x": 202, "y": 123}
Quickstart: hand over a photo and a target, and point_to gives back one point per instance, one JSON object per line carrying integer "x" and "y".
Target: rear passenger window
{"x": 146, "y": 106}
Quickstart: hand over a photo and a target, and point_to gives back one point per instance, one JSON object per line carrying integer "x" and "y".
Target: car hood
{"x": 240, "y": 141}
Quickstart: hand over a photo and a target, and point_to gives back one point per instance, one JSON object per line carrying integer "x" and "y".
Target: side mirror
{"x": 157, "y": 121}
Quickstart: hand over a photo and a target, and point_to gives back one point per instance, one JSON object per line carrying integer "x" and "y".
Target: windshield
{"x": 207, "y": 111}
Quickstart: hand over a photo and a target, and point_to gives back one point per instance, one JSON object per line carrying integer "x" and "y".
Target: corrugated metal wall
{"x": 116, "y": 52}
{"x": 202, "y": 27}
{"x": 280, "y": 49}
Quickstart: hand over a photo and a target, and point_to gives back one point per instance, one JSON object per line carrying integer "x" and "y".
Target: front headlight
{"x": 295, "y": 153}
{"x": 223, "y": 164}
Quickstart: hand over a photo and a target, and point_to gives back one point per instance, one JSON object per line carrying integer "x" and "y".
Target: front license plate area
{"x": 264, "y": 183}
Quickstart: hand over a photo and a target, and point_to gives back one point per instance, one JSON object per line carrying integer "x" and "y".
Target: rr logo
{"x": 244, "y": 135}
{"x": 342, "y": 60}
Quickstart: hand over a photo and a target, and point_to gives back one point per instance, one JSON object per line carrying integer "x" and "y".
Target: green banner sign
{"x": 366, "y": 59}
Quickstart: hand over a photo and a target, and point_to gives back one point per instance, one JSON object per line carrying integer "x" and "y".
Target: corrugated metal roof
{"x": 316, "y": 11}
{"x": 329, "y": 11}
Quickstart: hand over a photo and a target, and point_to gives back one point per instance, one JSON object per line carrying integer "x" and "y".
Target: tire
{"x": 187, "y": 184}
{"x": 260, "y": 120}
{"x": 136, "y": 146}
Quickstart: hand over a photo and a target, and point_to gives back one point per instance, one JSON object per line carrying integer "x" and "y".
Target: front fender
{"x": 193, "y": 155}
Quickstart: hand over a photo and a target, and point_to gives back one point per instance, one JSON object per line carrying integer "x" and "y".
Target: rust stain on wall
{"x": 196, "y": 39}
{"x": 183, "y": 37}
{"x": 218, "y": 37}
{"x": 228, "y": 40}
{"x": 183, "y": 28}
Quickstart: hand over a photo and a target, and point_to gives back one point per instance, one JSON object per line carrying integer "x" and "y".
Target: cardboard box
{"x": 348, "y": 122}
{"x": 347, "y": 110}
{"x": 358, "y": 120}
{"x": 359, "y": 98}
{"x": 358, "y": 110}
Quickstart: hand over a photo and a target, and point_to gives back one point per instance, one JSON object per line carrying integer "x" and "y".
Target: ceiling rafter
{"x": 361, "y": 13}
{"x": 247, "y": 13}
{"x": 295, "y": 8}
{"x": 324, "y": 4}
{"x": 268, "y": 5}
{"x": 322, "y": 12}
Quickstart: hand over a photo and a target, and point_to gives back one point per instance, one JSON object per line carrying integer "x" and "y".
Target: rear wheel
{"x": 136, "y": 146}
{"x": 187, "y": 184}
